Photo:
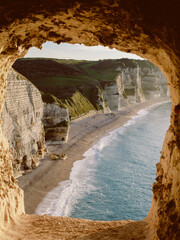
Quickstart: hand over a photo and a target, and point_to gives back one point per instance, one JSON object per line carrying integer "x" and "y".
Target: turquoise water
{"x": 115, "y": 179}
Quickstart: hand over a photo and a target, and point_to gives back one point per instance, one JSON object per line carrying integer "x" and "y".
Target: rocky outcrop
{"x": 154, "y": 84}
{"x": 101, "y": 102}
{"x": 21, "y": 123}
{"x": 126, "y": 89}
{"x": 120, "y": 92}
{"x": 133, "y": 85}
{"x": 113, "y": 94}
{"x": 111, "y": 83}
{"x": 56, "y": 123}
{"x": 139, "y": 94}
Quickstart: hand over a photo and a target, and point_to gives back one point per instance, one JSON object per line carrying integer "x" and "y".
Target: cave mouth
{"x": 141, "y": 28}
{"x": 20, "y": 66}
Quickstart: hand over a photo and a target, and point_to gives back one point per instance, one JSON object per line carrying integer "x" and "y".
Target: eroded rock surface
{"x": 21, "y": 123}
{"x": 147, "y": 28}
{"x": 112, "y": 83}
{"x": 56, "y": 123}
{"x": 133, "y": 85}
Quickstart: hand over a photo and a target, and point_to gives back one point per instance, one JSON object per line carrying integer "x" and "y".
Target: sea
{"x": 114, "y": 180}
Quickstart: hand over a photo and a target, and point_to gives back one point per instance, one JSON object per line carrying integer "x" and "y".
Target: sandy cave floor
{"x": 35, "y": 227}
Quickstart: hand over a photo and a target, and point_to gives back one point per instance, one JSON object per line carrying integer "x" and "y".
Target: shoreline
{"x": 83, "y": 135}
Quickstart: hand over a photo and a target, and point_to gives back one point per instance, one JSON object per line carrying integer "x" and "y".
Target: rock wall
{"x": 139, "y": 94}
{"x": 154, "y": 83}
{"x": 147, "y": 28}
{"x": 133, "y": 85}
{"x": 101, "y": 101}
{"x": 113, "y": 94}
{"x": 120, "y": 80}
{"x": 56, "y": 123}
{"x": 21, "y": 123}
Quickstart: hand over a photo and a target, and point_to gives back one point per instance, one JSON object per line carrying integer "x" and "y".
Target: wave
{"x": 61, "y": 200}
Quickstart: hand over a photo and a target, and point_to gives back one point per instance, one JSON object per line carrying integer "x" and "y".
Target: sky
{"x": 77, "y": 51}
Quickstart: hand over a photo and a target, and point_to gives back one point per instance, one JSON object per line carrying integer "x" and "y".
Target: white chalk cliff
{"x": 102, "y": 102}
{"x": 21, "y": 123}
{"x": 56, "y": 123}
{"x": 133, "y": 85}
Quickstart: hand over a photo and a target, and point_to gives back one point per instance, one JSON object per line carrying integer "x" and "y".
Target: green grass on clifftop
{"x": 74, "y": 84}
{"x": 63, "y": 78}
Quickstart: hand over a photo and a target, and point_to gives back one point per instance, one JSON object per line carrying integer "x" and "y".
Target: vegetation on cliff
{"x": 63, "y": 78}
{"x": 76, "y": 85}
{"x": 76, "y": 105}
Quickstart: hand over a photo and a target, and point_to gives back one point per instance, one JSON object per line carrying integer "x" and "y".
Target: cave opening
{"x": 41, "y": 71}
{"x": 131, "y": 29}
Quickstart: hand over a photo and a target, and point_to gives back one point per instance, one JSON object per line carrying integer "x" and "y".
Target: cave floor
{"x": 30, "y": 227}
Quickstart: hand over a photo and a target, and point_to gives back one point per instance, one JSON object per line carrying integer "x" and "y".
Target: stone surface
{"x": 55, "y": 156}
{"x": 147, "y": 28}
{"x": 133, "y": 85}
{"x": 56, "y": 123}
{"x": 101, "y": 101}
{"x": 21, "y": 123}
{"x": 119, "y": 80}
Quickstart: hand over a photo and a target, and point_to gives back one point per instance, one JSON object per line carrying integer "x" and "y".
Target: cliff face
{"x": 132, "y": 85}
{"x": 154, "y": 83}
{"x": 105, "y": 84}
{"x": 102, "y": 104}
{"x": 56, "y": 123}
{"x": 114, "y": 94}
{"x": 21, "y": 123}
{"x": 125, "y": 89}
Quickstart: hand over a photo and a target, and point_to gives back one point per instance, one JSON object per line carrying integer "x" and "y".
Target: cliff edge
{"x": 21, "y": 123}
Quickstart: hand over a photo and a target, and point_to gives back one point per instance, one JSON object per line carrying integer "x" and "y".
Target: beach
{"x": 83, "y": 134}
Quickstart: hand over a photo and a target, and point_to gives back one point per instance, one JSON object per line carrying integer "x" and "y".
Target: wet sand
{"x": 83, "y": 134}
